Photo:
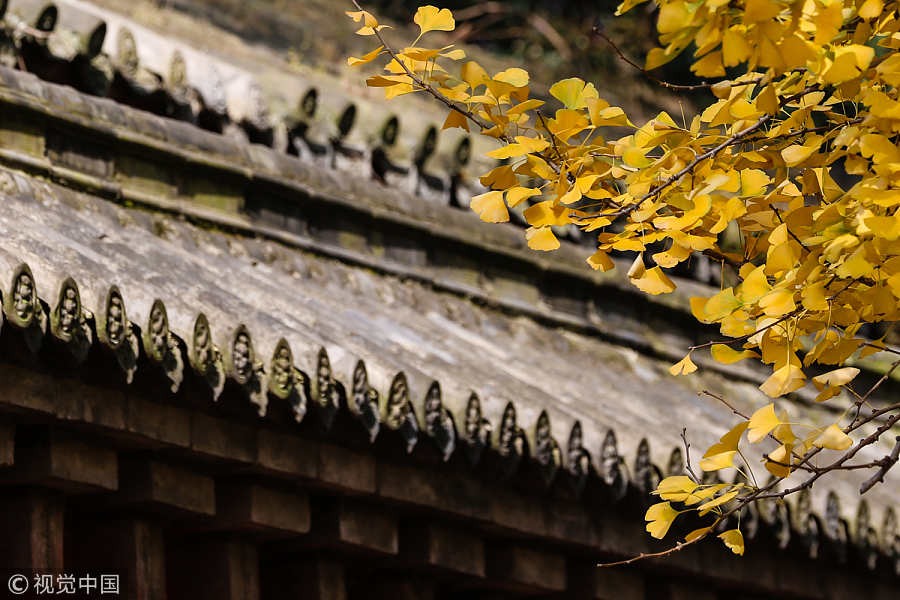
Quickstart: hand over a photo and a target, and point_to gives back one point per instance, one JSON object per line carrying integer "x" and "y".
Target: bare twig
{"x": 734, "y": 139}
{"x": 886, "y": 463}
{"x": 726, "y": 403}
{"x": 747, "y": 336}
{"x": 791, "y": 233}
{"x": 552, "y": 139}
{"x": 670, "y": 86}
{"x": 836, "y": 465}
{"x": 687, "y": 456}
{"x": 645, "y": 555}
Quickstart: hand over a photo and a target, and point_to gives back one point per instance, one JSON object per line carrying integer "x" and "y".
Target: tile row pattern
{"x": 417, "y": 416}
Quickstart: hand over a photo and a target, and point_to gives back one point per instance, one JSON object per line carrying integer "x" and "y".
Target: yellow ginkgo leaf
{"x": 422, "y": 54}
{"x": 365, "y": 58}
{"x": 499, "y": 178}
{"x": 762, "y": 422}
{"x": 456, "y": 119}
{"x": 735, "y": 47}
{"x": 457, "y": 92}
{"x": 685, "y": 366}
{"x": 796, "y": 154}
{"x": 777, "y": 302}
{"x": 721, "y": 454}
{"x": 627, "y": 5}
{"x": 654, "y": 282}
{"x": 870, "y": 9}
{"x": 370, "y": 23}
{"x": 709, "y": 66}
{"x": 515, "y": 195}
{"x": 677, "y": 488}
{"x": 779, "y": 460}
{"x": 388, "y": 80}
{"x": 431, "y": 18}
{"x": 541, "y": 238}
{"x": 833, "y": 438}
{"x": 657, "y": 57}
{"x": 783, "y": 433}
{"x": 602, "y": 116}
{"x": 697, "y": 533}
{"x": 671, "y": 257}
{"x": 733, "y": 540}
{"x": 659, "y": 518}
{"x": 814, "y": 296}
{"x": 524, "y": 106}
{"x": 707, "y": 491}
{"x": 547, "y": 213}
{"x": 490, "y": 207}
{"x": 673, "y": 16}
{"x": 785, "y": 380}
{"x": 828, "y": 394}
{"x": 849, "y": 62}
{"x": 455, "y": 54}
{"x": 728, "y": 355}
{"x": 567, "y": 123}
{"x": 676, "y": 483}
{"x": 718, "y": 461}
{"x": 522, "y": 145}
{"x": 716, "y": 502}
{"x": 573, "y": 92}
{"x": 836, "y": 378}
{"x": 721, "y": 305}
{"x": 515, "y": 77}
{"x": 601, "y": 260}
{"x": 698, "y": 308}
{"x": 754, "y": 287}
{"x": 473, "y": 74}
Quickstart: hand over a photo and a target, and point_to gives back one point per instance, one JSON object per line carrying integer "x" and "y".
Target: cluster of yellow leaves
{"x": 703, "y": 498}
{"x": 796, "y": 163}
{"x": 764, "y": 425}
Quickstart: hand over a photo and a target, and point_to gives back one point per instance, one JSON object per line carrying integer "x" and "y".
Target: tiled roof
{"x": 298, "y": 285}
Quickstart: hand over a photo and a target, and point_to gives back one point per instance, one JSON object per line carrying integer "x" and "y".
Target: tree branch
{"x": 886, "y": 463}
{"x": 598, "y": 31}
{"x": 687, "y": 457}
{"x": 421, "y": 83}
{"x": 672, "y": 550}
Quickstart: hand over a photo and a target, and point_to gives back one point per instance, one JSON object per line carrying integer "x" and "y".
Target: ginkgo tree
{"x": 797, "y": 158}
